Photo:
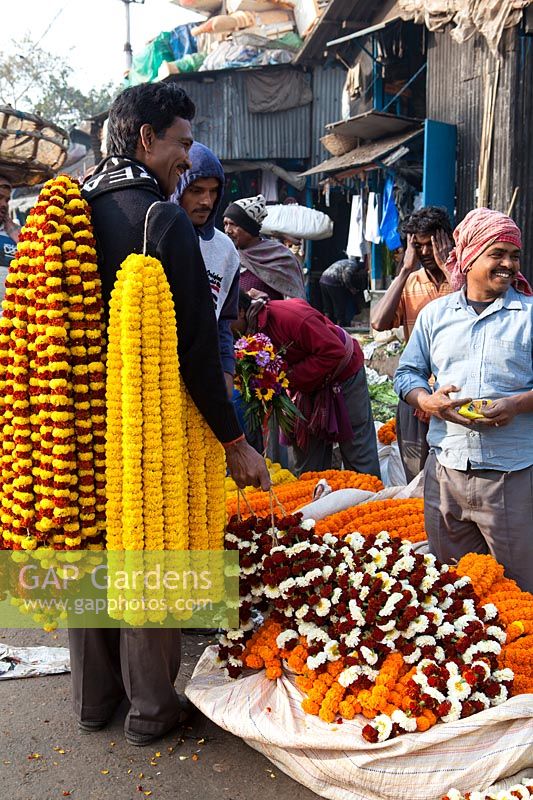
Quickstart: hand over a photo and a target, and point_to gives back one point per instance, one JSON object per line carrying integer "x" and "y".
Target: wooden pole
{"x": 513, "y": 201}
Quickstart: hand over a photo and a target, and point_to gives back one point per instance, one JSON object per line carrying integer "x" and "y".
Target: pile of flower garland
{"x": 293, "y": 495}
{"x": 515, "y": 609}
{"x": 387, "y": 432}
{"x": 52, "y": 392}
{"x": 165, "y": 468}
{"x": 370, "y": 627}
{"x": 402, "y": 518}
{"x": 520, "y": 791}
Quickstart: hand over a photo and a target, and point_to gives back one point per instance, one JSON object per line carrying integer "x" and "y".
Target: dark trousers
{"x": 360, "y": 453}
{"x": 138, "y": 663}
{"x": 481, "y": 511}
{"x": 412, "y": 440}
{"x": 338, "y": 304}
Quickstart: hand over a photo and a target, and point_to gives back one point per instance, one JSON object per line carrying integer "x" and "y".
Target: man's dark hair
{"x": 156, "y": 104}
{"x": 427, "y": 220}
{"x": 245, "y": 301}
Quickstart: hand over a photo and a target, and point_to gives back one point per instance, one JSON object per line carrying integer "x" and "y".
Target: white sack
{"x": 335, "y": 762}
{"x": 297, "y": 221}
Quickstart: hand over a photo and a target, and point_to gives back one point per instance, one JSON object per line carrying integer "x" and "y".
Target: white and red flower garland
{"x": 358, "y": 600}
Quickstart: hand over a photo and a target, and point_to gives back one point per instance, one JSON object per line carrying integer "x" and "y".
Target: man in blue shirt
{"x": 477, "y": 343}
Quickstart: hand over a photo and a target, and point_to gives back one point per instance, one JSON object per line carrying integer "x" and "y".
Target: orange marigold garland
{"x": 387, "y": 432}
{"x": 402, "y": 518}
{"x": 515, "y": 610}
{"x": 52, "y": 385}
{"x": 298, "y": 493}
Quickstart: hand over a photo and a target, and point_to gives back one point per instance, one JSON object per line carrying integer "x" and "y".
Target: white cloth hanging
{"x": 356, "y": 246}
{"x": 372, "y": 218}
{"x": 269, "y": 186}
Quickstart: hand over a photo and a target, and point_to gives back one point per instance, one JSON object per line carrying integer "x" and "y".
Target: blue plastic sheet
{"x": 389, "y": 218}
{"x": 182, "y": 42}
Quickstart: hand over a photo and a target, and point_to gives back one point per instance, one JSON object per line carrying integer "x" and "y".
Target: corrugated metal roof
{"x": 224, "y": 124}
{"x": 339, "y": 17}
{"x": 372, "y": 125}
{"x": 363, "y": 155}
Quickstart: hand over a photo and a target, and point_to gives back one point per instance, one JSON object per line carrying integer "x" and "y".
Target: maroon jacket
{"x": 313, "y": 345}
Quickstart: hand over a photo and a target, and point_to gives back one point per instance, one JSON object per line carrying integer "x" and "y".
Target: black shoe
{"x": 90, "y": 726}
{"x": 143, "y": 739}
{"x": 200, "y": 631}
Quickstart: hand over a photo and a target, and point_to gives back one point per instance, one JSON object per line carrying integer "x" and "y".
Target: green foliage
{"x": 32, "y": 79}
{"x": 384, "y": 400}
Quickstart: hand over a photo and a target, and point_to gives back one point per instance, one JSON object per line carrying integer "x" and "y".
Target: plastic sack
{"x": 297, "y": 221}
{"x": 347, "y": 498}
{"x": 396, "y": 471}
{"x": 146, "y": 64}
{"x": 29, "y": 662}
{"x": 182, "y": 42}
{"x": 335, "y": 762}
{"x": 390, "y": 461}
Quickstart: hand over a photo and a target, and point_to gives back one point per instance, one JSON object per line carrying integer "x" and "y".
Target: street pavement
{"x": 44, "y": 757}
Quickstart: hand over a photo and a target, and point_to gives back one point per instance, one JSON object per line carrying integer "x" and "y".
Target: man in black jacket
{"x": 149, "y": 137}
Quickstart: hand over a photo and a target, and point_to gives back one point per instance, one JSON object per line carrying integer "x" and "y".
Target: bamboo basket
{"x": 337, "y": 144}
{"x": 32, "y": 149}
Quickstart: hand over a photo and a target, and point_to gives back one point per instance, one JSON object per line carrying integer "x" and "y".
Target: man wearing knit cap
{"x": 477, "y": 342}
{"x": 266, "y": 265}
{"x": 199, "y": 193}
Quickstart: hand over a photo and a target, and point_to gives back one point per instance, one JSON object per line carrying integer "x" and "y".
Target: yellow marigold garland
{"x": 167, "y": 489}
{"x": 173, "y": 404}
{"x": 52, "y": 382}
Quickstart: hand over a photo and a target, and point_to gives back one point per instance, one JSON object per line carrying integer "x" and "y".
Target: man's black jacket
{"x": 120, "y": 192}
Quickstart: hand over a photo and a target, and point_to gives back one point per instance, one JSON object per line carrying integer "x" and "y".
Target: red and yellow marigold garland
{"x": 52, "y": 407}
{"x": 165, "y": 474}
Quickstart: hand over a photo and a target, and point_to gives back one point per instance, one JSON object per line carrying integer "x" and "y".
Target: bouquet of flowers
{"x": 261, "y": 378}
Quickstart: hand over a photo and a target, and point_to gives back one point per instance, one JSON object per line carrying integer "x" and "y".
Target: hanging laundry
{"x": 372, "y": 218}
{"x": 390, "y": 219}
{"x": 356, "y": 246}
{"x": 269, "y": 186}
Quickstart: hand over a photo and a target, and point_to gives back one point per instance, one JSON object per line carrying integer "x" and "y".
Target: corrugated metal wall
{"x": 224, "y": 123}
{"x": 455, "y": 93}
{"x": 328, "y": 83}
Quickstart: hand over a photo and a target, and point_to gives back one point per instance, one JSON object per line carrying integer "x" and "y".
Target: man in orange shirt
{"x": 422, "y": 278}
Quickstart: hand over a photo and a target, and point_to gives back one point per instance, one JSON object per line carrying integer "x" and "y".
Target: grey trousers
{"x": 138, "y": 663}
{"x": 481, "y": 511}
{"x": 360, "y": 453}
{"x": 412, "y": 440}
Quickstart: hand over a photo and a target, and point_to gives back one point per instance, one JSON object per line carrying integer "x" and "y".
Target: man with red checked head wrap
{"x": 477, "y": 342}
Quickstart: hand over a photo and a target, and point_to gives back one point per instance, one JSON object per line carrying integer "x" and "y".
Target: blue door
{"x": 440, "y": 146}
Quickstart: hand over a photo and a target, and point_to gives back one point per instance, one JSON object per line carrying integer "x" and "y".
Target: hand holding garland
{"x": 246, "y": 466}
